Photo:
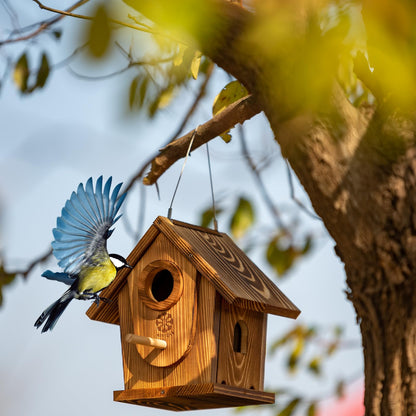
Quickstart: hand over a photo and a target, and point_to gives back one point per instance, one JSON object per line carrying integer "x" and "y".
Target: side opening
{"x": 240, "y": 337}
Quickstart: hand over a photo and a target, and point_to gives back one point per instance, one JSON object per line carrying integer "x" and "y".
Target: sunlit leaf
{"x": 311, "y": 410}
{"x": 295, "y": 355}
{"x": 21, "y": 73}
{"x": 43, "y": 72}
{"x": 99, "y": 33}
{"x": 231, "y": 93}
{"x": 281, "y": 259}
{"x": 315, "y": 365}
{"x": 242, "y": 218}
{"x": 290, "y": 407}
{"x": 195, "y": 64}
{"x": 332, "y": 347}
{"x": 179, "y": 56}
{"x": 228, "y": 95}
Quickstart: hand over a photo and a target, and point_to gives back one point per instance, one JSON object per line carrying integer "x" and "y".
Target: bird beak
{"x": 128, "y": 266}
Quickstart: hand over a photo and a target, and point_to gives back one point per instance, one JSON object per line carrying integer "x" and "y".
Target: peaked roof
{"x": 217, "y": 258}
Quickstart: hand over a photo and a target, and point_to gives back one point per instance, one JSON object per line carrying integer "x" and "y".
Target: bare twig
{"x": 238, "y": 112}
{"x": 293, "y": 196}
{"x": 185, "y": 119}
{"x": 267, "y": 199}
{"x": 33, "y": 264}
{"x": 44, "y": 25}
{"x": 140, "y": 28}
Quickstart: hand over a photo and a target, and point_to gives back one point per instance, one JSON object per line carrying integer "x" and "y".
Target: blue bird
{"x": 80, "y": 246}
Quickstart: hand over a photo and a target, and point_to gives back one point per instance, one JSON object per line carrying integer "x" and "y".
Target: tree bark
{"x": 358, "y": 166}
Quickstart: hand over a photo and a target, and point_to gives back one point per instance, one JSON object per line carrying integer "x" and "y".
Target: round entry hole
{"x": 162, "y": 285}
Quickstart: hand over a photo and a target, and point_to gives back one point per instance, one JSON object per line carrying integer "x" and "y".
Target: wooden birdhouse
{"x": 200, "y": 304}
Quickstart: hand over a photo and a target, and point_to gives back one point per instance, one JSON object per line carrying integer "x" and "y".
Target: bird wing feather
{"x": 84, "y": 225}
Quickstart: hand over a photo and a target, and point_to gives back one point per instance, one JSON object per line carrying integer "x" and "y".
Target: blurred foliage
{"x": 99, "y": 32}
{"x": 28, "y": 80}
{"x": 242, "y": 218}
{"x": 5, "y": 279}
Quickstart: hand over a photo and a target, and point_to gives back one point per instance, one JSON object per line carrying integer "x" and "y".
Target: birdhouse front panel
{"x": 168, "y": 300}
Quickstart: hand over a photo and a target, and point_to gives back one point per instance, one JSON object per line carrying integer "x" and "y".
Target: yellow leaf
{"x": 196, "y": 62}
{"x": 21, "y": 73}
{"x": 228, "y": 95}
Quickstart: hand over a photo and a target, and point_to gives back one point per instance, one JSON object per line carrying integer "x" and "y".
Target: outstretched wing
{"x": 84, "y": 225}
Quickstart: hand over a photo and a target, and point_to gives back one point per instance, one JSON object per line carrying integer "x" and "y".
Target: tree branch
{"x": 140, "y": 28}
{"x": 44, "y": 25}
{"x": 238, "y": 112}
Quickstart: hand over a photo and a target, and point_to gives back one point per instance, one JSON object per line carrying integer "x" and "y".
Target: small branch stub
{"x": 151, "y": 342}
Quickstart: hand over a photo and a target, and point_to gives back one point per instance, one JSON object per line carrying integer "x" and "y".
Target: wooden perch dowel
{"x": 152, "y": 342}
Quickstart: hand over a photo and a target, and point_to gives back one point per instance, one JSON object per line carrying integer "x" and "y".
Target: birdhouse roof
{"x": 217, "y": 258}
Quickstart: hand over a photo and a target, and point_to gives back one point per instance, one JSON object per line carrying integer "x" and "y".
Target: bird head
{"x": 119, "y": 261}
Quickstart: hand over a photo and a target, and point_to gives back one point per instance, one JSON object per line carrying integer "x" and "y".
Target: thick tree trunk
{"x": 388, "y": 327}
{"x": 358, "y": 167}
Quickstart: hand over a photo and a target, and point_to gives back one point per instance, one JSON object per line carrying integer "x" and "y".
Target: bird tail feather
{"x": 54, "y": 311}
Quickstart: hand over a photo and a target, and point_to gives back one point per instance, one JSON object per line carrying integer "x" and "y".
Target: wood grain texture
{"x": 108, "y": 311}
{"x": 200, "y": 364}
{"x": 217, "y": 258}
{"x": 245, "y": 370}
{"x": 175, "y": 325}
{"x": 193, "y": 397}
{"x": 233, "y": 274}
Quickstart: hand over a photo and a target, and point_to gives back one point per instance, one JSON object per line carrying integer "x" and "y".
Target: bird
{"x": 80, "y": 246}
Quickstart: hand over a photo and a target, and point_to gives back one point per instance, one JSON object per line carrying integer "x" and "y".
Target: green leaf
{"x": 295, "y": 355}
{"x": 143, "y": 90}
{"x": 207, "y": 216}
{"x": 57, "y": 34}
{"x": 21, "y": 73}
{"x": 43, "y": 72}
{"x": 280, "y": 259}
{"x": 332, "y": 347}
{"x": 133, "y": 90}
{"x": 99, "y": 33}
{"x": 242, "y": 218}
{"x": 5, "y": 279}
{"x": 315, "y": 365}
{"x": 231, "y": 93}
{"x": 311, "y": 411}
{"x": 228, "y": 95}
{"x": 290, "y": 407}
{"x": 195, "y": 64}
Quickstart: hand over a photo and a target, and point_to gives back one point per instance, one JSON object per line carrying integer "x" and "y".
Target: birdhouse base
{"x": 194, "y": 397}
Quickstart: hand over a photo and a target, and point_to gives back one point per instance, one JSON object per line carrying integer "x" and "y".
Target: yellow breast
{"x": 96, "y": 278}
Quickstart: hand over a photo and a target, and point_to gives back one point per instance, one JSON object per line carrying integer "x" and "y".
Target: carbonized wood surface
{"x": 233, "y": 274}
{"x": 175, "y": 325}
{"x": 199, "y": 366}
{"x": 194, "y": 397}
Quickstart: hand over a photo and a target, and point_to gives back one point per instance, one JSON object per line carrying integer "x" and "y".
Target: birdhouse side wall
{"x": 197, "y": 367}
{"x": 242, "y": 347}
